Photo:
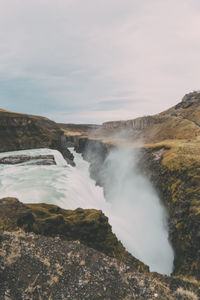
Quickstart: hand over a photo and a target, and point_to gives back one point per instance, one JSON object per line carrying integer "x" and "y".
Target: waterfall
{"x": 132, "y": 206}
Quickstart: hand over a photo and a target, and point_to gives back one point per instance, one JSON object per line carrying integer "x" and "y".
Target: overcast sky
{"x": 90, "y": 61}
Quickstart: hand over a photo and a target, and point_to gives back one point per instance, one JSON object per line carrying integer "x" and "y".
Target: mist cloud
{"x": 136, "y": 213}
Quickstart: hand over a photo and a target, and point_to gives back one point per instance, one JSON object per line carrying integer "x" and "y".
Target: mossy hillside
{"x": 178, "y": 180}
{"x": 19, "y": 131}
{"x": 89, "y": 226}
{"x": 179, "y": 122}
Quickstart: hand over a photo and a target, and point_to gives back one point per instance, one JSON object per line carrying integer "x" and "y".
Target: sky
{"x": 93, "y": 61}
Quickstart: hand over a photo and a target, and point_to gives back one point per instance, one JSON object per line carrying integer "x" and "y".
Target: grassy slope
{"x": 21, "y": 131}
{"x": 89, "y": 226}
{"x": 180, "y": 182}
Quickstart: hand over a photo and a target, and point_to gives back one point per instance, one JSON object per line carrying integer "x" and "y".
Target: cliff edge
{"x": 21, "y": 131}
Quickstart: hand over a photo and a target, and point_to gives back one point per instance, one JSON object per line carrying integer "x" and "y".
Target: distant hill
{"x": 22, "y": 131}
{"x": 78, "y": 129}
{"x": 179, "y": 122}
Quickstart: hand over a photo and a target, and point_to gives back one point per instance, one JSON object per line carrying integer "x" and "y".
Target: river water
{"x": 133, "y": 208}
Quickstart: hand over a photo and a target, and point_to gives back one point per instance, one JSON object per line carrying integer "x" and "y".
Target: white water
{"x": 133, "y": 208}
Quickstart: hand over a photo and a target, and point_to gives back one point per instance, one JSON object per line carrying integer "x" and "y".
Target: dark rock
{"x": 135, "y": 124}
{"x": 37, "y": 160}
{"x": 36, "y": 267}
{"x": 26, "y": 221}
{"x": 21, "y": 132}
{"x": 89, "y": 226}
{"x": 188, "y": 100}
{"x": 179, "y": 189}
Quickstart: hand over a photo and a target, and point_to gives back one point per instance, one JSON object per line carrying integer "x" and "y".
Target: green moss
{"x": 89, "y": 226}
{"x": 19, "y": 131}
{"x": 177, "y": 177}
{"x": 183, "y": 188}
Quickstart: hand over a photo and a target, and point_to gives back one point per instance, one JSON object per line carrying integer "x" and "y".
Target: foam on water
{"x": 59, "y": 184}
{"x": 71, "y": 187}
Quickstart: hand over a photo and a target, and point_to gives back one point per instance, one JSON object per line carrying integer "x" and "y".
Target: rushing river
{"x": 133, "y": 208}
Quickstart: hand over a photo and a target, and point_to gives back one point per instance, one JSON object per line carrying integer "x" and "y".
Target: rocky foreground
{"x": 37, "y": 267}
{"x": 46, "y": 253}
{"x": 89, "y": 226}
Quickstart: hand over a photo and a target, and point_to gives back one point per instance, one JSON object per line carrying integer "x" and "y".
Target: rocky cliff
{"x": 181, "y": 121}
{"x": 135, "y": 124}
{"x": 89, "y": 226}
{"x": 21, "y": 131}
{"x": 175, "y": 172}
{"x": 170, "y": 158}
{"x": 173, "y": 167}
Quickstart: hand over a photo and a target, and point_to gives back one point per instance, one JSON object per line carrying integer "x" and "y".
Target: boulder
{"x": 34, "y": 160}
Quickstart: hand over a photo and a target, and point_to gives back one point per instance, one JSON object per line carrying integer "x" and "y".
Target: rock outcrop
{"x": 34, "y": 160}
{"x": 188, "y": 100}
{"x": 135, "y": 124}
{"x": 177, "y": 180}
{"x": 20, "y": 131}
{"x": 174, "y": 170}
{"x": 89, "y": 226}
{"x": 171, "y": 147}
{"x": 179, "y": 122}
{"x": 35, "y": 267}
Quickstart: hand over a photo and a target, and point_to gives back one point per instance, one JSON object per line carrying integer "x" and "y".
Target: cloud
{"x": 79, "y": 57}
{"x": 112, "y": 104}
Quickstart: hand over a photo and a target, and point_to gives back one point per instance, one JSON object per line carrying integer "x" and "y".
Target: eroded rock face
{"x": 35, "y": 267}
{"x": 192, "y": 97}
{"x": 179, "y": 189}
{"x": 136, "y": 124}
{"x": 188, "y": 100}
{"x": 89, "y": 226}
{"x": 95, "y": 152}
{"x": 20, "y": 132}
